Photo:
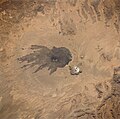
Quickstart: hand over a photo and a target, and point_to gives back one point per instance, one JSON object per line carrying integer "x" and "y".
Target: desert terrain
{"x": 40, "y": 40}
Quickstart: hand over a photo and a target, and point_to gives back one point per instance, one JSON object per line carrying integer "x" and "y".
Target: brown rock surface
{"x": 89, "y": 29}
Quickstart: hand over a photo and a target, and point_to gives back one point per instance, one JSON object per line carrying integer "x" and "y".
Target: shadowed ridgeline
{"x": 44, "y": 57}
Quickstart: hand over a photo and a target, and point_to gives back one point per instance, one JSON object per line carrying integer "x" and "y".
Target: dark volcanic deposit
{"x": 44, "y": 57}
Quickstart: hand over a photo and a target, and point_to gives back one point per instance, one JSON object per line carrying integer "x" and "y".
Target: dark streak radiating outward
{"x": 44, "y": 57}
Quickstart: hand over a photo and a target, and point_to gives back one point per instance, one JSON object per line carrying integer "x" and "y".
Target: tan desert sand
{"x": 46, "y": 38}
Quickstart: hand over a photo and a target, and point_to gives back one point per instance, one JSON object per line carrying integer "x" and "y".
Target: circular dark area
{"x": 61, "y": 56}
